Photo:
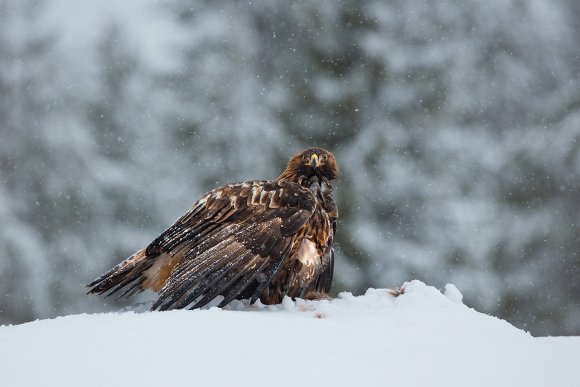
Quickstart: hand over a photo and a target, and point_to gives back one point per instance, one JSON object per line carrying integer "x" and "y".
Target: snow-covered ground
{"x": 421, "y": 338}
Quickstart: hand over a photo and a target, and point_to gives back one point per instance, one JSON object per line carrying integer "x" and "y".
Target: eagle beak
{"x": 314, "y": 160}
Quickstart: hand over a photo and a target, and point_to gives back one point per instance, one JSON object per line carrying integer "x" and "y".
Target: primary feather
{"x": 261, "y": 239}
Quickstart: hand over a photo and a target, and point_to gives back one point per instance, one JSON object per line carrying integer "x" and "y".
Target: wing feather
{"x": 270, "y": 273}
{"x": 225, "y": 274}
{"x": 230, "y": 236}
{"x": 218, "y": 287}
{"x": 193, "y": 271}
{"x": 249, "y": 274}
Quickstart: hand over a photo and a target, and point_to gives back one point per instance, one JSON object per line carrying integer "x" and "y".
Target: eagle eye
{"x": 305, "y": 157}
{"x": 323, "y": 157}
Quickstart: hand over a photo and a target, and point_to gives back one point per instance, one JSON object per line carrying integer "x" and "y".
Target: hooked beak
{"x": 314, "y": 160}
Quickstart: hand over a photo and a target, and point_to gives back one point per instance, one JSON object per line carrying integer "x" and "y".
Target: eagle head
{"x": 313, "y": 163}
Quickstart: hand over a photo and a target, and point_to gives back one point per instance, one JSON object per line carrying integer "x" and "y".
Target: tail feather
{"x": 125, "y": 273}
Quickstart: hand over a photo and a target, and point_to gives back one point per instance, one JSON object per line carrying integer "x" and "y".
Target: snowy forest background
{"x": 456, "y": 123}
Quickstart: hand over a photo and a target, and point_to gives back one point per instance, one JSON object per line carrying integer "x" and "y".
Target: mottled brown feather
{"x": 257, "y": 239}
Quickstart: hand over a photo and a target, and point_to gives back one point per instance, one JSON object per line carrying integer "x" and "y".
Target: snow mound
{"x": 422, "y": 337}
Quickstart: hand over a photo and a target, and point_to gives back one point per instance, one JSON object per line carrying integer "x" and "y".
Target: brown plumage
{"x": 261, "y": 239}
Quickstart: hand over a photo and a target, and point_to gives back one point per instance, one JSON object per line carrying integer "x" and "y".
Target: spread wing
{"x": 233, "y": 240}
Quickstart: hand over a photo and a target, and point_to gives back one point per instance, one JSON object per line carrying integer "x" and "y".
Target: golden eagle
{"x": 261, "y": 239}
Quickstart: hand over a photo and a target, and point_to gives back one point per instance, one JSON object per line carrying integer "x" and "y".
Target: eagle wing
{"x": 233, "y": 240}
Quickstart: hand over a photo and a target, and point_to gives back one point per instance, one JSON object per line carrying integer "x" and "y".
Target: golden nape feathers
{"x": 261, "y": 239}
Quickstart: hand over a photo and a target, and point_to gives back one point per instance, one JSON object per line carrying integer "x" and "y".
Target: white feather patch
{"x": 307, "y": 253}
